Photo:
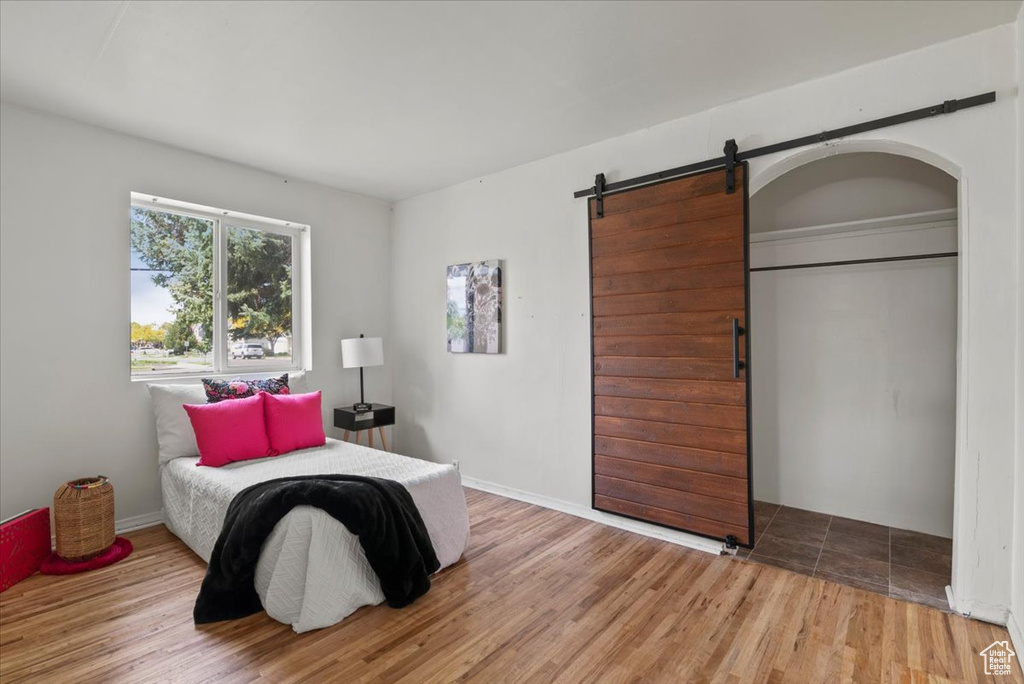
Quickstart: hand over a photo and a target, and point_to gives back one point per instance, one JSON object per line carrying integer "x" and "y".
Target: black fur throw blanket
{"x": 380, "y": 512}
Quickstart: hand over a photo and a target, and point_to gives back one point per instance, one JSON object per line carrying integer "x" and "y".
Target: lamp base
{"x": 362, "y": 407}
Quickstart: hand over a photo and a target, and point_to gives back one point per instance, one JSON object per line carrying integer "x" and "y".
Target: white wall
{"x": 854, "y": 404}
{"x": 67, "y": 406}
{"x": 1016, "y": 622}
{"x": 522, "y": 419}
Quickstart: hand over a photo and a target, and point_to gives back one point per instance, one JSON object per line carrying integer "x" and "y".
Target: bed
{"x": 312, "y": 571}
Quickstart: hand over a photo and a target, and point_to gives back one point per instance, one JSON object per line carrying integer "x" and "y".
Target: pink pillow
{"x": 294, "y": 421}
{"x": 230, "y": 431}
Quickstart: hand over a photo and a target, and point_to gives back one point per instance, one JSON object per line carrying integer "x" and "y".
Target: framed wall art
{"x": 474, "y": 307}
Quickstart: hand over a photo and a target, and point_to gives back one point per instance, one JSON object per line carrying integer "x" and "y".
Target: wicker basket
{"x": 83, "y": 513}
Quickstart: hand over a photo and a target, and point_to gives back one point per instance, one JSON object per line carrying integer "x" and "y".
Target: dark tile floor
{"x": 899, "y": 563}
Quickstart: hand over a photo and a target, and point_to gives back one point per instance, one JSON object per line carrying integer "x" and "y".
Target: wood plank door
{"x": 671, "y": 390}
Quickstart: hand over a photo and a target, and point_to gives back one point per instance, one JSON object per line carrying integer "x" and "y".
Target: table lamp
{"x": 360, "y": 352}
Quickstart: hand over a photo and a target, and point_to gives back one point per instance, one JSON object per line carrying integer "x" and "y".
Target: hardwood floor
{"x": 540, "y": 597}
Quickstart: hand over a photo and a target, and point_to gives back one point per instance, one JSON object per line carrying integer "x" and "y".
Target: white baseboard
{"x": 1013, "y": 626}
{"x": 138, "y": 522}
{"x": 664, "y": 534}
{"x": 976, "y": 610}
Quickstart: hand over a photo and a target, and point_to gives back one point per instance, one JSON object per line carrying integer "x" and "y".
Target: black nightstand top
{"x": 345, "y": 417}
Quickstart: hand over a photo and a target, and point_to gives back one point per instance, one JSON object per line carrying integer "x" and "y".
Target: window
{"x": 212, "y": 291}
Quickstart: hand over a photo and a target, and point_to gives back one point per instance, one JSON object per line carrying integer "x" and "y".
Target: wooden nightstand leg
{"x": 383, "y": 438}
{"x": 369, "y": 436}
{"x": 346, "y": 435}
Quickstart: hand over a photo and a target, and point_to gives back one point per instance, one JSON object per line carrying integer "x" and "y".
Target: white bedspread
{"x": 312, "y": 571}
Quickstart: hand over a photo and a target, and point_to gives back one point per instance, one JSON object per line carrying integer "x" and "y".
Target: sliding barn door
{"x": 671, "y": 391}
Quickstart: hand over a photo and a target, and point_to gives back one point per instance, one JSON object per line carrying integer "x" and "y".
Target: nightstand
{"x": 348, "y": 420}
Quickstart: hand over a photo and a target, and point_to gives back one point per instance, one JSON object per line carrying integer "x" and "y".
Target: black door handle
{"x": 736, "y": 363}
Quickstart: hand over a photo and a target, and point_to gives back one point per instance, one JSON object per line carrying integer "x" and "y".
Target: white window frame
{"x": 222, "y": 219}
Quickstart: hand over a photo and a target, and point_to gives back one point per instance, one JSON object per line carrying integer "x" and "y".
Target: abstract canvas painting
{"x": 474, "y": 307}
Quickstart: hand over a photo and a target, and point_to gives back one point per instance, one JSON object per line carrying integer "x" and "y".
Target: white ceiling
{"x": 393, "y": 99}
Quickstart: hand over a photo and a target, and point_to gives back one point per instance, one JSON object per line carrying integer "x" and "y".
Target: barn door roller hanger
{"x": 732, "y": 156}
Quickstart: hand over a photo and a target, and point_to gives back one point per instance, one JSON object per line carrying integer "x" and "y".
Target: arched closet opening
{"x": 853, "y": 310}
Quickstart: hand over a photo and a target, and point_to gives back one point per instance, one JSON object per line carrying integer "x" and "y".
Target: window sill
{"x": 238, "y": 373}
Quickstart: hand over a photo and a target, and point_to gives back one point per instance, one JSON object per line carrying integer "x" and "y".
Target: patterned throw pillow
{"x": 219, "y": 390}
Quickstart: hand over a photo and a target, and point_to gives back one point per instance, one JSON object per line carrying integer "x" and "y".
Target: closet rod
{"x": 851, "y": 262}
{"x": 947, "y": 107}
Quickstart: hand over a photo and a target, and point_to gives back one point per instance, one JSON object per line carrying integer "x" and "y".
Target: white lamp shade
{"x": 360, "y": 352}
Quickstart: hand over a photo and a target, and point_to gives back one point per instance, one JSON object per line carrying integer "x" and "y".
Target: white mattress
{"x": 312, "y": 571}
